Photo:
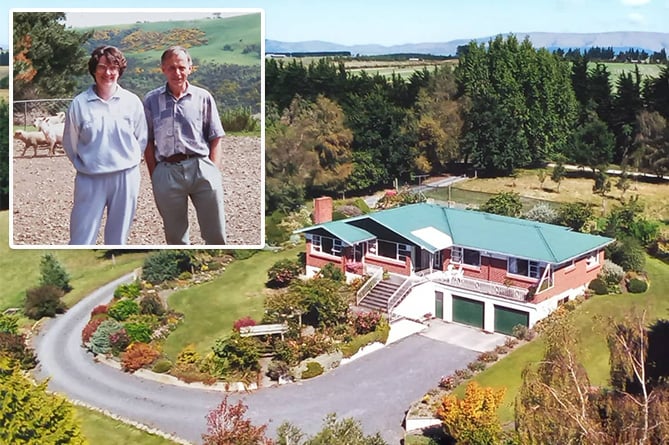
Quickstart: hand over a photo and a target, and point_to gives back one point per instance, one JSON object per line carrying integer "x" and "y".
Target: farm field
{"x": 575, "y": 187}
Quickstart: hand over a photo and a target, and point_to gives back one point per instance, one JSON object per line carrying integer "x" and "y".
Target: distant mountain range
{"x": 648, "y": 41}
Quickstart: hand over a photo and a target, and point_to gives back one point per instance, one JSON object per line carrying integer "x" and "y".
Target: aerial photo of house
{"x": 483, "y": 270}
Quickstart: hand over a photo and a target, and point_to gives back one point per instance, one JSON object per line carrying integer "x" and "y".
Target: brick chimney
{"x": 322, "y": 210}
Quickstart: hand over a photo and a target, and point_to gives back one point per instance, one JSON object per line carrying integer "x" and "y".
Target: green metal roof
{"x": 348, "y": 233}
{"x": 475, "y": 230}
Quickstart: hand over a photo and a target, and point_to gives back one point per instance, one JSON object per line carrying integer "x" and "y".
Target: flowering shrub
{"x": 448, "y": 382}
{"x": 283, "y": 272}
{"x": 138, "y": 355}
{"x": 243, "y": 322}
{"x": 118, "y": 341}
{"x": 488, "y": 357}
{"x": 476, "y": 366}
{"x": 364, "y": 322}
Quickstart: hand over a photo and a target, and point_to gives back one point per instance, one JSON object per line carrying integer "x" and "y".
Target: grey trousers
{"x": 117, "y": 192}
{"x": 199, "y": 179}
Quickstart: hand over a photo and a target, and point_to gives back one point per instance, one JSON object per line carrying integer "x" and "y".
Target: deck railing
{"x": 397, "y": 296}
{"x": 366, "y": 288}
{"x": 485, "y": 287}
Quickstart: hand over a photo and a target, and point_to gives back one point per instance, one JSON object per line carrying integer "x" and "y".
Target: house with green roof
{"x": 484, "y": 270}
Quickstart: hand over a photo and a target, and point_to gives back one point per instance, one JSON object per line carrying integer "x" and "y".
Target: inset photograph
{"x": 137, "y": 128}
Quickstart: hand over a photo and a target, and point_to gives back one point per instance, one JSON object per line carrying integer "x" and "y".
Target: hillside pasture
{"x": 227, "y": 39}
{"x": 577, "y": 187}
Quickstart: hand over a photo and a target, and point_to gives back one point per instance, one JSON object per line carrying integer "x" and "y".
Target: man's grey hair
{"x": 175, "y": 50}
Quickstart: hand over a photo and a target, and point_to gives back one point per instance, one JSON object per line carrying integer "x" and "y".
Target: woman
{"x": 105, "y": 137}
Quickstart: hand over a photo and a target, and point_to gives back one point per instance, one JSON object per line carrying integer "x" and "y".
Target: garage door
{"x": 466, "y": 311}
{"x": 506, "y": 319}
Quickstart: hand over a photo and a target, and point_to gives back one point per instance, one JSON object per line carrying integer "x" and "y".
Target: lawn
{"x": 88, "y": 269}
{"x": 211, "y": 309}
{"x": 591, "y": 322}
{"x": 99, "y": 429}
{"x": 575, "y": 188}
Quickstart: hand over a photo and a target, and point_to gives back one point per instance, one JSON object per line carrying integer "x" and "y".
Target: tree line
{"x": 505, "y": 106}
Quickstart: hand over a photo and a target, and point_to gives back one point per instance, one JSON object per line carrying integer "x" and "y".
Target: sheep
{"x": 52, "y": 132}
{"x": 31, "y": 139}
{"x": 59, "y": 118}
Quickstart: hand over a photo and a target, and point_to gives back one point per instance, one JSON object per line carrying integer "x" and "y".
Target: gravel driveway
{"x": 43, "y": 189}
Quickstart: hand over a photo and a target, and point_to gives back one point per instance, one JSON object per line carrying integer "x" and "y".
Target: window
{"x": 593, "y": 260}
{"x": 526, "y": 268}
{"x": 466, "y": 256}
{"x": 323, "y": 244}
{"x": 390, "y": 249}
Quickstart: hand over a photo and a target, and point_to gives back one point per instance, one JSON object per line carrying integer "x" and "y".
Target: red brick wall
{"x": 317, "y": 259}
{"x": 571, "y": 277}
{"x": 322, "y": 210}
{"x": 390, "y": 265}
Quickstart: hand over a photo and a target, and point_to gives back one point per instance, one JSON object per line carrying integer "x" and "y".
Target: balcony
{"x": 456, "y": 279}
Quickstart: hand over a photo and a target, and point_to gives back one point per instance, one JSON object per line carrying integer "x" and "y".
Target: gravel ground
{"x": 43, "y": 188}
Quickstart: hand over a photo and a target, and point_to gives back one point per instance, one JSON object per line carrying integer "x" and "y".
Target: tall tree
{"x": 652, "y": 154}
{"x": 439, "y": 121}
{"x": 627, "y": 103}
{"x": 592, "y": 144}
{"x": 656, "y": 92}
{"x": 522, "y": 105}
{"x": 48, "y": 57}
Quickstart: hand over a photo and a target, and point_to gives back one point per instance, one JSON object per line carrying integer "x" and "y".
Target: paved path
{"x": 375, "y": 389}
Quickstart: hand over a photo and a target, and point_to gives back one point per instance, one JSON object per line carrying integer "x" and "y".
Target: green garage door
{"x": 466, "y": 311}
{"x": 506, "y": 319}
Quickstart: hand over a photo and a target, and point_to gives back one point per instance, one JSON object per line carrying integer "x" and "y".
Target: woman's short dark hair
{"x": 114, "y": 55}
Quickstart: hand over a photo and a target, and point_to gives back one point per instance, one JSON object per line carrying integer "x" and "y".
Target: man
{"x": 104, "y": 137}
{"x": 183, "y": 152}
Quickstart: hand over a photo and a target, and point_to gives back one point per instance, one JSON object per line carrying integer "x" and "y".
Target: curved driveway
{"x": 375, "y": 389}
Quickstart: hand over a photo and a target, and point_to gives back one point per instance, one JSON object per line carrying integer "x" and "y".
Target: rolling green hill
{"x": 226, "y": 53}
{"x": 228, "y": 40}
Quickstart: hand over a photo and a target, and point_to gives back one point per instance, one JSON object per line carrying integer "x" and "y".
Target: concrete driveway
{"x": 375, "y": 389}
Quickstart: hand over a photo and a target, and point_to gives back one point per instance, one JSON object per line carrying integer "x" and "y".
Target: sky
{"x": 387, "y": 22}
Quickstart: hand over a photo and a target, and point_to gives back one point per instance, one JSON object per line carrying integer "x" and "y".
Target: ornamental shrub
{"x": 364, "y": 322}
{"x": 277, "y": 369}
{"x": 138, "y": 332}
{"x": 476, "y": 366}
{"x": 122, "y": 309}
{"x": 53, "y": 274}
{"x": 488, "y": 357}
{"x": 313, "y": 369}
{"x": 239, "y": 353}
{"x": 90, "y": 329}
{"x": 165, "y": 265}
{"x": 138, "y": 355}
{"x": 332, "y": 272}
{"x": 162, "y": 365}
{"x": 43, "y": 301}
{"x": 13, "y": 345}
{"x": 9, "y": 324}
{"x": 283, "y": 272}
{"x": 100, "y": 341}
{"x": 598, "y": 286}
{"x": 542, "y": 213}
{"x": 637, "y": 286}
{"x": 100, "y": 309}
{"x": 151, "y": 304}
{"x": 628, "y": 253}
{"x": 612, "y": 274}
{"x": 119, "y": 341}
{"x": 129, "y": 290}
{"x": 188, "y": 355}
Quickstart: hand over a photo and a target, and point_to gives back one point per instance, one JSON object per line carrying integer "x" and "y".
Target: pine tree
{"x": 53, "y": 273}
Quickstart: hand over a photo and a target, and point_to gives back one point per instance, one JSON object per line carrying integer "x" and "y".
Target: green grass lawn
{"x": 99, "y": 429}
{"x": 88, "y": 269}
{"x": 211, "y": 309}
{"x": 591, "y": 322}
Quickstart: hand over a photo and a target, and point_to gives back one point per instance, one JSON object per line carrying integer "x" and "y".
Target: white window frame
{"x": 317, "y": 245}
{"x": 458, "y": 255}
{"x": 533, "y": 268}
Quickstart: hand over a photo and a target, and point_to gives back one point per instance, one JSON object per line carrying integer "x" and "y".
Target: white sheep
{"x": 59, "y": 118}
{"x": 52, "y": 132}
{"x": 33, "y": 139}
